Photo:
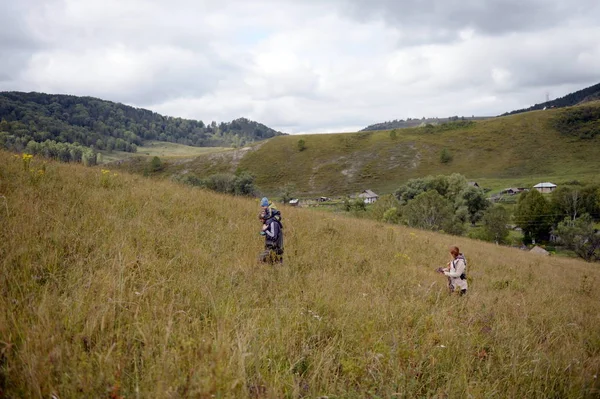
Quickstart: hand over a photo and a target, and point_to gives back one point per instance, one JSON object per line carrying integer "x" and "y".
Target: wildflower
{"x": 105, "y": 171}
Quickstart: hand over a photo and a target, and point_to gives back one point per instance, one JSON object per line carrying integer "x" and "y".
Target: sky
{"x": 303, "y": 66}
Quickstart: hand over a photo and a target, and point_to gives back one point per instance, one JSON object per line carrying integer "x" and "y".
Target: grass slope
{"x": 518, "y": 149}
{"x": 162, "y": 149}
{"x": 124, "y": 287}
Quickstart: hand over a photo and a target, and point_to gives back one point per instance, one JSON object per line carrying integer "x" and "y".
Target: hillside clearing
{"x": 161, "y": 149}
{"x": 116, "y": 285}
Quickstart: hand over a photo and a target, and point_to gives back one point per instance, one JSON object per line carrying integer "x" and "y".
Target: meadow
{"x": 115, "y": 285}
{"x": 160, "y": 149}
{"x": 501, "y": 152}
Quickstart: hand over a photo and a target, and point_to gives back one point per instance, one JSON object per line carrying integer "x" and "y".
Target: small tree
{"x": 445, "y": 156}
{"x": 580, "y": 236}
{"x": 430, "y": 211}
{"x": 495, "y": 222}
{"x": 286, "y": 192}
{"x": 243, "y": 184}
{"x": 301, "y": 145}
{"x": 393, "y": 134}
{"x": 533, "y": 215}
{"x": 392, "y": 216}
{"x": 475, "y": 202}
{"x": 156, "y": 165}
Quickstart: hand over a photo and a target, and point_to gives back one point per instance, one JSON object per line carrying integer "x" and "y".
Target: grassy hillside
{"x": 511, "y": 150}
{"x": 118, "y": 286}
{"x": 162, "y": 149}
{"x": 581, "y": 96}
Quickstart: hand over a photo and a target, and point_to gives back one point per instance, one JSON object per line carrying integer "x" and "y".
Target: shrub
{"x": 301, "y": 145}
{"x": 445, "y": 156}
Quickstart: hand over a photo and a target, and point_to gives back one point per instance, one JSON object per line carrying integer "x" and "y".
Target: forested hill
{"x": 410, "y": 122}
{"x": 108, "y": 125}
{"x": 591, "y": 93}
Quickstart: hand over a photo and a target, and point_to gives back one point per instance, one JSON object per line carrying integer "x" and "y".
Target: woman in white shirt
{"x": 456, "y": 271}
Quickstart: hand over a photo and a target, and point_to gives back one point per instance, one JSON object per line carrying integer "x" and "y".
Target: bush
{"x": 301, "y": 145}
{"x": 445, "y": 156}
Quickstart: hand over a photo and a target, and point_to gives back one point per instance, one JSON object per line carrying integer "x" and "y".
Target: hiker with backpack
{"x": 272, "y": 229}
{"x": 456, "y": 271}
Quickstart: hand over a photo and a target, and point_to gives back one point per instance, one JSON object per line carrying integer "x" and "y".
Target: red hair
{"x": 454, "y": 251}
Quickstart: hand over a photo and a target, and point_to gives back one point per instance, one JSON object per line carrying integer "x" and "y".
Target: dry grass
{"x": 117, "y": 286}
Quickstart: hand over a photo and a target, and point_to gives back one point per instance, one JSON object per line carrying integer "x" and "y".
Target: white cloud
{"x": 303, "y": 66}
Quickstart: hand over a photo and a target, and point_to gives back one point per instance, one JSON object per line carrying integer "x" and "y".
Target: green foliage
{"x": 445, "y": 156}
{"x": 580, "y": 236}
{"x": 378, "y": 210}
{"x": 575, "y": 201}
{"x": 430, "y": 211}
{"x": 227, "y": 183}
{"x": 156, "y": 165}
{"x": 393, "y": 134}
{"x": 356, "y": 205}
{"x": 533, "y": 214}
{"x": 582, "y": 122}
{"x": 495, "y": 224}
{"x": 475, "y": 202}
{"x": 64, "y": 152}
{"x": 111, "y": 126}
{"x": 392, "y": 215}
{"x": 287, "y": 192}
{"x": 301, "y": 145}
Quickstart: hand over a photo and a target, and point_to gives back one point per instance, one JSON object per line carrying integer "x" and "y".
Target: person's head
{"x": 454, "y": 251}
{"x": 262, "y": 216}
{"x": 264, "y": 203}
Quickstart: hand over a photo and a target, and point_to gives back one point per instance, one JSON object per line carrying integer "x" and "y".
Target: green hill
{"x": 558, "y": 144}
{"x": 106, "y": 125}
{"x": 119, "y": 286}
{"x": 415, "y": 122}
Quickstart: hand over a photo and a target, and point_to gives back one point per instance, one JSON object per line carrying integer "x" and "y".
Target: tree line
{"x": 450, "y": 204}
{"x": 104, "y": 125}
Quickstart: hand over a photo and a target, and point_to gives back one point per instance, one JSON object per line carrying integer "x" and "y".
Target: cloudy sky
{"x": 303, "y": 66}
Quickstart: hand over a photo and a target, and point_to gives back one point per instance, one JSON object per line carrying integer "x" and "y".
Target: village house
{"x": 545, "y": 187}
{"x": 368, "y": 196}
{"x": 513, "y": 190}
{"x": 473, "y": 184}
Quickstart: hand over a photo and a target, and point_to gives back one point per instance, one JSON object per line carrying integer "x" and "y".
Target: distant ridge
{"x": 585, "y": 95}
{"x": 89, "y": 121}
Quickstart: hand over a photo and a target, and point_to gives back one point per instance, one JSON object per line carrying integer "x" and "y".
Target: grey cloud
{"x": 442, "y": 20}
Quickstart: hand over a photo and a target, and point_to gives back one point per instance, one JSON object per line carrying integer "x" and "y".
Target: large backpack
{"x": 463, "y": 276}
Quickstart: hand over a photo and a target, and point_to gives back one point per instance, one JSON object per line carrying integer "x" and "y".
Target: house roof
{"x": 544, "y": 185}
{"x": 368, "y": 194}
